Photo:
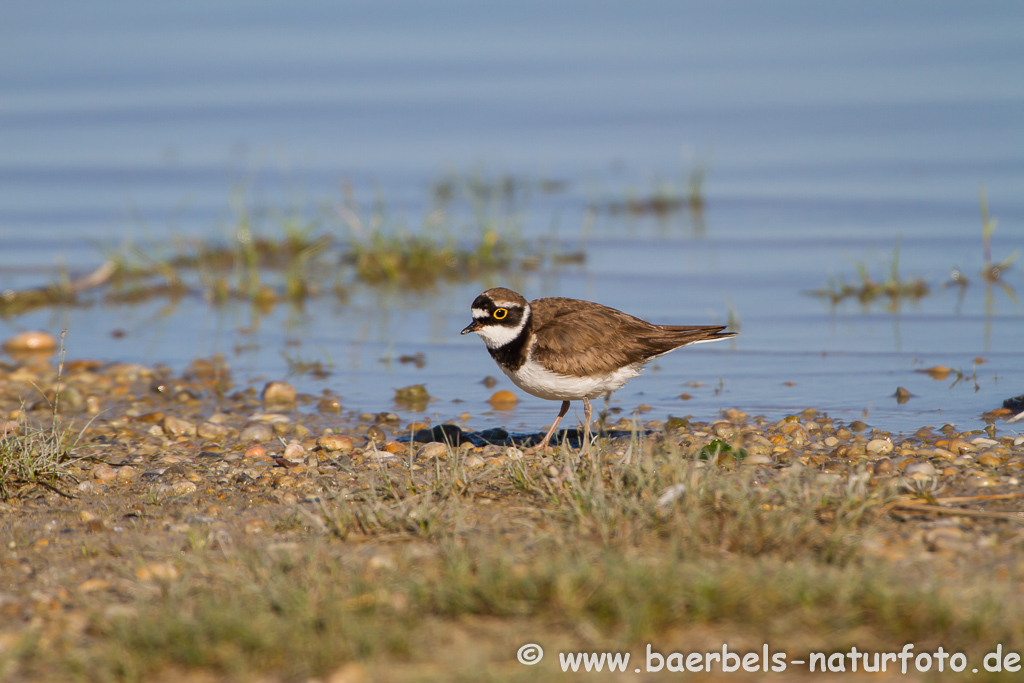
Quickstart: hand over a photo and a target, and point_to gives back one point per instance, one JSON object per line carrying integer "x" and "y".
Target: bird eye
{"x": 500, "y": 313}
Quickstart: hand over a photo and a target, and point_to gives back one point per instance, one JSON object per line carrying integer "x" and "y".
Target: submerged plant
{"x": 893, "y": 289}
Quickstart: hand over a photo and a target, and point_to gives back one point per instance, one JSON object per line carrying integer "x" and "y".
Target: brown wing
{"x": 580, "y": 338}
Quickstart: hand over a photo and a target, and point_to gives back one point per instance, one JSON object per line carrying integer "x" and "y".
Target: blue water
{"x": 831, "y": 134}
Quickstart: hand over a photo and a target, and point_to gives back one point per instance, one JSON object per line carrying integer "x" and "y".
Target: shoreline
{"x": 168, "y": 477}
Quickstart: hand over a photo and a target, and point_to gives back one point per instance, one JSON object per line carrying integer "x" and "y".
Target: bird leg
{"x": 588, "y": 412}
{"x": 561, "y": 414}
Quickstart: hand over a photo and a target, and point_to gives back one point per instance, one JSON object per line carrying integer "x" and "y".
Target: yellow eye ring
{"x": 500, "y": 313}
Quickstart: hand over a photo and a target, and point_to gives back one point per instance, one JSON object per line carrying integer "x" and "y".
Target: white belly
{"x": 534, "y": 379}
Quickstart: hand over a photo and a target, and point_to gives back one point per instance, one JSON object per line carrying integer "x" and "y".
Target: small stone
{"x": 181, "y": 488}
{"x": 126, "y": 473}
{"x": 831, "y": 441}
{"x": 329, "y": 406}
{"x": 376, "y": 436}
{"x": 256, "y": 451}
{"x": 857, "y": 426}
{"x": 395, "y": 447}
{"x": 920, "y": 470}
{"x": 981, "y": 481}
{"x": 959, "y": 447}
{"x": 175, "y": 426}
{"x": 256, "y": 431}
{"x": 430, "y": 451}
{"x": 32, "y": 342}
{"x": 1019, "y": 441}
{"x": 513, "y": 453}
{"x": 474, "y": 461}
{"x": 503, "y": 400}
{"x": 988, "y": 460}
{"x": 883, "y": 466}
{"x": 104, "y": 473}
{"x": 278, "y": 394}
{"x": 211, "y": 430}
{"x": 724, "y": 430}
{"x": 334, "y": 443}
{"x": 902, "y": 395}
{"x": 757, "y": 459}
{"x": 294, "y": 452}
{"x": 879, "y": 446}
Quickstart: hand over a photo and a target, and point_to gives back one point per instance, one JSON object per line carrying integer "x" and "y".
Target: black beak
{"x": 472, "y": 327}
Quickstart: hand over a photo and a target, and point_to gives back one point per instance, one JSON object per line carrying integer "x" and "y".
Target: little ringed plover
{"x": 566, "y": 349}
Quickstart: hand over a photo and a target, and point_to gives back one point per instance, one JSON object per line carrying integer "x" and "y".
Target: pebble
{"x": 278, "y": 394}
{"x": 430, "y": 451}
{"x": 395, "y": 447}
{"x": 181, "y": 488}
{"x": 503, "y": 400}
{"x": 329, "y": 406}
{"x": 334, "y": 443}
{"x": 474, "y": 461}
{"x": 883, "y": 466}
{"x": 757, "y": 459}
{"x": 33, "y": 341}
{"x": 211, "y": 430}
{"x": 1019, "y": 441}
{"x": 294, "y": 451}
{"x": 959, "y": 447}
{"x": 104, "y": 473}
{"x": 879, "y": 446}
{"x": 513, "y": 453}
{"x": 981, "y": 481}
{"x": 256, "y": 431}
{"x": 255, "y": 452}
{"x": 988, "y": 460}
{"x": 734, "y": 415}
{"x": 126, "y": 473}
{"x": 175, "y": 426}
{"x": 376, "y": 436}
{"x": 920, "y": 470}
{"x": 724, "y": 430}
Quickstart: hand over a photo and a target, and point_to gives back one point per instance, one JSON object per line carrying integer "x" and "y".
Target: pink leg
{"x": 561, "y": 414}
{"x": 588, "y": 412}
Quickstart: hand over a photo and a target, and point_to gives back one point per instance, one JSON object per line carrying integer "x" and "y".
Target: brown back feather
{"x": 580, "y": 338}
